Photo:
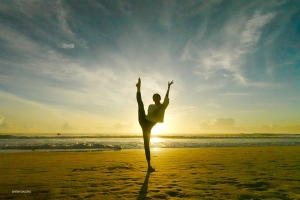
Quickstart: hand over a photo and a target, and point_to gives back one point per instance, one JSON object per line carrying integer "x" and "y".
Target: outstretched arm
{"x": 166, "y": 101}
{"x": 138, "y": 85}
{"x": 169, "y": 84}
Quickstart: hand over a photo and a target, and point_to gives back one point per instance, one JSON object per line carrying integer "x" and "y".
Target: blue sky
{"x": 71, "y": 66}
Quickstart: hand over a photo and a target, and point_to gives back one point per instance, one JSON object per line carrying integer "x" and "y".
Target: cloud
{"x": 1, "y": 119}
{"x": 67, "y": 46}
{"x": 217, "y": 123}
{"x": 31, "y": 128}
{"x": 237, "y": 94}
{"x": 98, "y": 79}
{"x": 62, "y": 15}
{"x": 67, "y": 127}
{"x": 276, "y": 128}
{"x": 37, "y": 27}
{"x": 271, "y": 127}
{"x": 224, "y": 122}
{"x": 227, "y": 125}
{"x": 293, "y": 129}
{"x": 208, "y": 87}
{"x": 206, "y": 124}
{"x": 252, "y": 32}
{"x": 122, "y": 126}
{"x": 3, "y": 124}
{"x": 222, "y": 54}
{"x": 213, "y": 104}
{"x": 125, "y": 128}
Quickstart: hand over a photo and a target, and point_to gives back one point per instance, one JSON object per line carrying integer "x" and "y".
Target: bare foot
{"x": 151, "y": 169}
{"x": 138, "y": 85}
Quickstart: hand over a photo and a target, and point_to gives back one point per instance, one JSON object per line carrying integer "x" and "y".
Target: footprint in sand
{"x": 172, "y": 193}
{"x": 94, "y": 185}
{"x": 258, "y": 186}
{"x": 115, "y": 189}
{"x": 85, "y": 169}
{"x": 89, "y": 196}
{"x": 160, "y": 196}
{"x": 121, "y": 166}
{"x": 154, "y": 190}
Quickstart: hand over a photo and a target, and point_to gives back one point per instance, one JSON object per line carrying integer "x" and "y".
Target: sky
{"x": 71, "y": 66}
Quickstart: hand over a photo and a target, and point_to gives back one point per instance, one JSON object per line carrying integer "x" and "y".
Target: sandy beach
{"x": 202, "y": 173}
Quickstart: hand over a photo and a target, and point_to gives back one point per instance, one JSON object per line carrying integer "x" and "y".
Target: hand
{"x": 170, "y": 83}
{"x": 138, "y": 85}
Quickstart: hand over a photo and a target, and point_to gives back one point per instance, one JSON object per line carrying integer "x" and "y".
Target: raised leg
{"x": 141, "y": 109}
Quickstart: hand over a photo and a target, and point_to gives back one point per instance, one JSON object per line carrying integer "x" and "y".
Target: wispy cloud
{"x": 67, "y": 46}
{"x": 67, "y": 127}
{"x": 252, "y": 33}
{"x": 1, "y": 119}
{"x": 212, "y": 103}
{"x": 208, "y": 87}
{"x": 4, "y": 125}
{"x": 223, "y": 55}
{"x": 217, "y": 123}
{"x": 236, "y": 94}
{"x": 228, "y": 125}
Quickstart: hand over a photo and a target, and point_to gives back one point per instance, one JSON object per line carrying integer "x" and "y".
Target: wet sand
{"x": 202, "y": 173}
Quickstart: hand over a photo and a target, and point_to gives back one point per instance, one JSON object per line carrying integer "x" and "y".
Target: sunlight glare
{"x": 157, "y": 129}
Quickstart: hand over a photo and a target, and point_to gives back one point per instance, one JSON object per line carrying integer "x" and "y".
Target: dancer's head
{"x": 156, "y": 98}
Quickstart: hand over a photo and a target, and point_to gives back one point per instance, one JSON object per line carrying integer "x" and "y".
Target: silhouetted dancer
{"x": 155, "y": 115}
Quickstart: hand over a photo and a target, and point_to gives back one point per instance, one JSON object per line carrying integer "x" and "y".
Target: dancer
{"x": 155, "y": 115}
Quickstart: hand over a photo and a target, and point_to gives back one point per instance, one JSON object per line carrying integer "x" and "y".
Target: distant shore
{"x": 174, "y": 136}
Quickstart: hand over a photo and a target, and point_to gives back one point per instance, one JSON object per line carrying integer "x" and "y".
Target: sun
{"x": 158, "y": 129}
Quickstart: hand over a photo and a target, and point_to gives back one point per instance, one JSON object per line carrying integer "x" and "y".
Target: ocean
{"x": 55, "y": 142}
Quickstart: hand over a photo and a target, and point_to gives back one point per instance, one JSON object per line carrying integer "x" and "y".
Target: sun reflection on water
{"x": 156, "y": 140}
{"x": 156, "y": 143}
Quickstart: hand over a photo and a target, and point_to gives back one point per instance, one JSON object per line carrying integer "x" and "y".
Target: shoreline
{"x": 194, "y": 173}
{"x": 11, "y": 151}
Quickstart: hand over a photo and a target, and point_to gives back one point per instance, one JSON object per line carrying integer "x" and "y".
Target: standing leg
{"x": 146, "y": 136}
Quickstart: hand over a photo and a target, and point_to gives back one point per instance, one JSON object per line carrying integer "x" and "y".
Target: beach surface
{"x": 202, "y": 173}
